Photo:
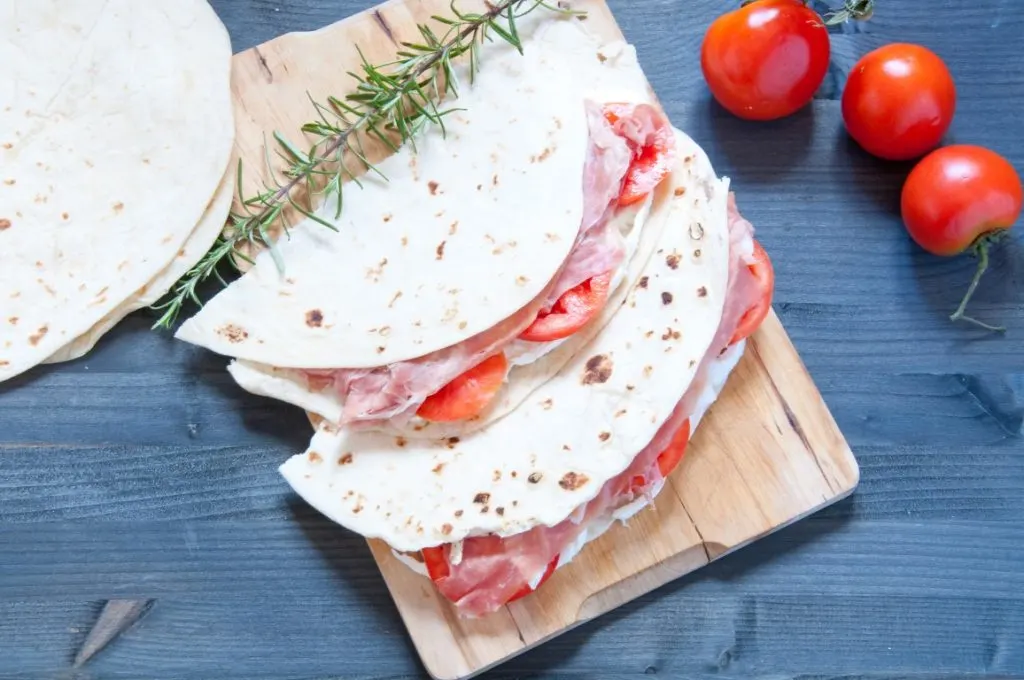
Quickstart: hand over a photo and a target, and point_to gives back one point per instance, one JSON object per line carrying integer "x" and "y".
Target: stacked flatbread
{"x": 116, "y": 131}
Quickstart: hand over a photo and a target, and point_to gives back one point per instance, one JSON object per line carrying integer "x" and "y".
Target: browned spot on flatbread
{"x": 604, "y": 436}
{"x": 5, "y": 224}
{"x": 630, "y": 388}
{"x": 452, "y": 442}
{"x": 13, "y": 321}
{"x": 439, "y": 251}
{"x": 9, "y": 182}
{"x": 672, "y": 261}
{"x": 601, "y": 58}
{"x": 547, "y": 404}
{"x": 234, "y": 334}
{"x": 494, "y": 181}
{"x": 314, "y": 457}
{"x": 387, "y": 217}
{"x": 571, "y": 481}
{"x": 314, "y": 318}
{"x": 666, "y": 298}
{"x": 380, "y": 349}
{"x": 38, "y": 335}
{"x": 482, "y": 498}
{"x": 500, "y": 510}
{"x": 400, "y": 442}
{"x": 4, "y": 362}
{"x": 432, "y": 185}
{"x": 458, "y": 513}
{"x": 679, "y": 191}
{"x": 453, "y": 227}
{"x": 118, "y": 207}
{"x": 496, "y": 476}
{"x": 394, "y": 299}
{"x": 437, "y": 468}
{"x": 446, "y": 528}
{"x": 598, "y": 370}
{"x": 643, "y": 281}
{"x": 648, "y": 370}
{"x": 702, "y": 292}
{"x": 345, "y": 459}
{"x": 535, "y": 478}
{"x": 671, "y": 334}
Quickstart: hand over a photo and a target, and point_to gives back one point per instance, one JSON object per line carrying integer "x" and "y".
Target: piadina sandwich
{"x": 490, "y": 245}
{"x": 509, "y": 343}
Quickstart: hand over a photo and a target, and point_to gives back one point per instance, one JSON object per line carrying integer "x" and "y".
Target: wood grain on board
{"x": 768, "y": 454}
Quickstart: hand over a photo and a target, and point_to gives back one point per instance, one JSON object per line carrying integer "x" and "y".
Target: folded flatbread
{"x": 116, "y": 128}
{"x": 526, "y": 196}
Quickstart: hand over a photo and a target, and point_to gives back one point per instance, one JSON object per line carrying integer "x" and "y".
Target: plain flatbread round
{"x": 197, "y": 245}
{"x": 291, "y": 386}
{"x": 469, "y": 227}
{"x": 116, "y": 127}
{"x": 579, "y": 429}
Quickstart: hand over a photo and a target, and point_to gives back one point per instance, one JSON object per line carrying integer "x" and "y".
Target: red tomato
{"x": 899, "y": 101}
{"x": 436, "y": 563}
{"x": 755, "y": 316}
{"x": 573, "y": 310}
{"x": 958, "y": 198}
{"x": 468, "y": 394}
{"x": 673, "y": 453}
{"x": 650, "y": 164}
{"x": 766, "y": 59}
{"x": 526, "y": 589}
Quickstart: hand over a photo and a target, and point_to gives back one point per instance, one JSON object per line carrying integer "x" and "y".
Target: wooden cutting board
{"x": 766, "y": 455}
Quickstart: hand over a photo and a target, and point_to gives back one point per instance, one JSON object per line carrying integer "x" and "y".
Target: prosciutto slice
{"x": 493, "y": 570}
{"x": 394, "y": 392}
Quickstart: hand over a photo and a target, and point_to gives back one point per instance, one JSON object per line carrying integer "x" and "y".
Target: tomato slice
{"x": 573, "y": 310}
{"x": 468, "y": 394}
{"x": 765, "y": 275}
{"x": 526, "y": 589}
{"x": 673, "y": 453}
{"x": 650, "y": 163}
{"x": 436, "y": 563}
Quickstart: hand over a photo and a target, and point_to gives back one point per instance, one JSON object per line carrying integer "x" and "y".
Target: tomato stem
{"x": 859, "y": 10}
{"x": 981, "y": 251}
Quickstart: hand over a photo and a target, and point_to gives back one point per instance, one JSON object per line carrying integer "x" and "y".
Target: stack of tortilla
{"x": 116, "y": 131}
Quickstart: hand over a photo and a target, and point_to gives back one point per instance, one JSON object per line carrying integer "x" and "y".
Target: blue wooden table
{"x": 143, "y": 474}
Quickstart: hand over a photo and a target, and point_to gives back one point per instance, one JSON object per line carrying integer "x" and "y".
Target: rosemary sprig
{"x": 391, "y": 102}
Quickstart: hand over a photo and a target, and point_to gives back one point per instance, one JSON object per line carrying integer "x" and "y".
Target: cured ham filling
{"x": 483, "y": 573}
{"x": 631, "y": 149}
